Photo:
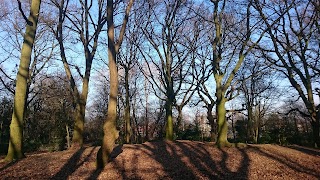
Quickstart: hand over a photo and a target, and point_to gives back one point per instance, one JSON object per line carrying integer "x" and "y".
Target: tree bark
{"x": 212, "y": 123}
{"x": 146, "y": 118}
{"x": 222, "y": 140}
{"x": 249, "y": 123}
{"x": 15, "y": 150}
{"x": 127, "y": 108}
{"x": 110, "y": 132}
{"x": 316, "y": 130}
{"x": 179, "y": 119}
{"x": 169, "y": 123}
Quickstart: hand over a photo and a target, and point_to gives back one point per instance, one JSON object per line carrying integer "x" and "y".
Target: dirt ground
{"x": 172, "y": 160}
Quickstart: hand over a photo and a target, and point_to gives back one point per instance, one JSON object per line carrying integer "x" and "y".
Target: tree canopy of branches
{"x": 294, "y": 50}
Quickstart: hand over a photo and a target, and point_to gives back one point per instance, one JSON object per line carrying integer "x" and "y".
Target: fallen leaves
{"x": 172, "y": 160}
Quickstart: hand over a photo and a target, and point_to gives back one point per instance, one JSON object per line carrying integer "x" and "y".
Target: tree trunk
{"x": 68, "y": 136}
{"x": 249, "y": 123}
{"x": 110, "y": 132}
{"x": 146, "y": 118}
{"x": 222, "y": 123}
{"x": 146, "y": 126}
{"x": 256, "y": 135}
{"x": 233, "y": 128}
{"x": 179, "y": 119}
{"x": 15, "y": 150}
{"x": 257, "y": 126}
{"x": 212, "y": 123}
{"x": 77, "y": 138}
{"x": 127, "y": 109}
{"x": 169, "y": 124}
{"x": 316, "y": 131}
{"x": 109, "y": 129}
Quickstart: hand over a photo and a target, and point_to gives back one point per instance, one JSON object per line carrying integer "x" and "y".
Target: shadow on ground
{"x": 315, "y": 152}
{"x": 171, "y": 160}
{"x": 180, "y": 160}
{"x": 73, "y": 164}
{"x": 287, "y": 160}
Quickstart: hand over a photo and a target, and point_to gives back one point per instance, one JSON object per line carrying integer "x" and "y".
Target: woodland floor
{"x": 172, "y": 160}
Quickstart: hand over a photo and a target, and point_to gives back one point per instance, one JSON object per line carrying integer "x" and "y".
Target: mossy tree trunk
{"x": 222, "y": 124}
{"x": 15, "y": 150}
{"x": 224, "y": 75}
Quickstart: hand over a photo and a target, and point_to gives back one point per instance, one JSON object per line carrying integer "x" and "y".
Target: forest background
{"x": 222, "y": 71}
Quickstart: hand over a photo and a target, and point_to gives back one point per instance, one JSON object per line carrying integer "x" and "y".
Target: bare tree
{"x": 87, "y": 26}
{"x": 232, "y": 39}
{"x": 292, "y": 51}
{"x": 128, "y": 58}
{"x": 172, "y": 45}
{"x": 258, "y": 88}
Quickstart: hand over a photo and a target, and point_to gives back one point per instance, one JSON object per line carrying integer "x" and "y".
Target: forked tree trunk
{"x": 110, "y": 132}
{"x": 77, "y": 139}
{"x": 109, "y": 129}
{"x": 15, "y": 150}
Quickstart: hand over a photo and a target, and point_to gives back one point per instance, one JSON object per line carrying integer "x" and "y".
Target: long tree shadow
{"x": 203, "y": 161}
{"x": 125, "y": 173}
{"x": 178, "y": 160}
{"x": 186, "y": 161}
{"x": 7, "y": 165}
{"x": 114, "y": 154}
{"x": 73, "y": 164}
{"x": 306, "y": 150}
{"x": 243, "y": 170}
{"x": 164, "y": 153}
{"x": 286, "y": 161}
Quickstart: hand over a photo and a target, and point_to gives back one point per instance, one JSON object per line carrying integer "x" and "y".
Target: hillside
{"x": 172, "y": 160}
